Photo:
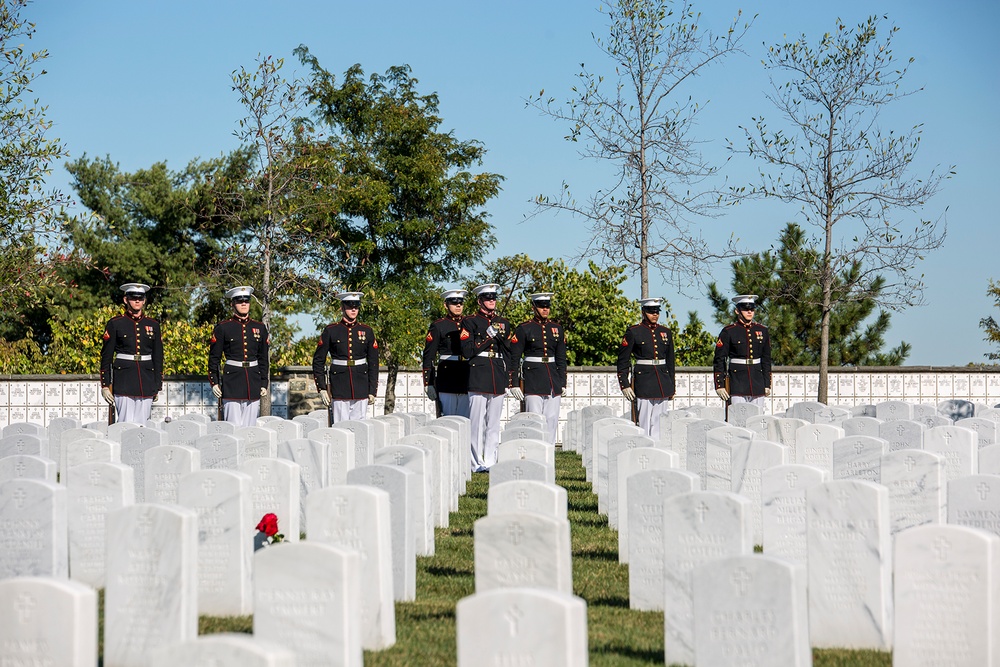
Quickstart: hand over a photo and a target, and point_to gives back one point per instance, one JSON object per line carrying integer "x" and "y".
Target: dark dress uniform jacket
{"x": 738, "y": 341}
{"x": 536, "y": 339}
{"x": 140, "y": 375}
{"x": 489, "y": 373}
{"x": 443, "y": 340}
{"x": 646, "y": 342}
{"x": 243, "y": 341}
{"x": 348, "y": 343}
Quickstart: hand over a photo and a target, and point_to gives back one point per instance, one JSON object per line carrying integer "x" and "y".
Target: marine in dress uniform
{"x": 244, "y": 376}
{"x": 743, "y": 354}
{"x": 486, "y": 343}
{"x": 540, "y": 349}
{"x": 651, "y": 385}
{"x": 132, "y": 359}
{"x": 448, "y": 383}
{"x": 353, "y": 373}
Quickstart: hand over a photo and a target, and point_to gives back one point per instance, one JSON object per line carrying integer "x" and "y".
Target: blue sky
{"x": 150, "y": 81}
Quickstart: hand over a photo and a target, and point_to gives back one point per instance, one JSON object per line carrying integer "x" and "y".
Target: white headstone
{"x": 134, "y": 444}
{"x": 220, "y": 451}
{"x": 285, "y": 428}
{"x": 738, "y": 413}
{"x": 644, "y": 493}
{"x": 527, "y": 627}
{"x": 48, "y": 621}
{"x": 861, "y": 426}
{"x": 401, "y": 485}
{"x": 258, "y": 442}
{"x": 92, "y": 450}
{"x": 916, "y": 482}
{"x": 615, "y": 447}
{"x": 783, "y": 509}
{"x": 522, "y": 550}
{"x": 95, "y": 491}
{"x": 340, "y": 452}
{"x": 814, "y": 445}
{"x": 221, "y": 498}
{"x": 986, "y": 429}
{"x": 892, "y": 410}
{"x": 698, "y": 527}
{"x": 518, "y": 449}
{"x": 313, "y": 459}
{"x": 850, "y": 567}
{"x": 902, "y": 434}
{"x": 34, "y": 540}
{"x": 357, "y": 517}
{"x": 184, "y": 431}
{"x": 859, "y": 457}
{"x": 416, "y": 460}
{"x": 528, "y": 496}
{"x": 25, "y": 466}
{"x": 946, "y": 596}
{"x": 364, "y": 439}
{"x": 630, "y": 462}
{"x": 164, "y": 467}
{"x": 441, "y": 461}
{"x": 24, "y": 444}
{"x": 151, "y": 595}
{"x": 974, "y": 501}
{"x": 505, "y": 471}
{"x": 226, "y": 649}
{"x": 751, "y": 610}
{"x": 306, "y": 597}
{"x": 274, "y": 489}
{"x": 959, "y": 447}
{"x": 989, "y": 460}
{"x": 521, "y": 432}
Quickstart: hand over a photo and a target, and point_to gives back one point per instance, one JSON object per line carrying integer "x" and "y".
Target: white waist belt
{"x": 540, "y": 360}
{"x": 348, "y": 362}
{"x": 134, "y": 357}
{"x": 488, "y": 353}
{"x": 744, "y": 361}
{"x": 450, "y": 357}
{"x": 650, "y": 362}
{"x": 242, "y": 364}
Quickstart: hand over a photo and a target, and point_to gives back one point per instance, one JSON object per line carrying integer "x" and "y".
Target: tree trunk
{"x": 392, "y": 370}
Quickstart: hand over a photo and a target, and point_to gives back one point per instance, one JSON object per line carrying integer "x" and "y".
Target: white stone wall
{"x": 40, "y": 398}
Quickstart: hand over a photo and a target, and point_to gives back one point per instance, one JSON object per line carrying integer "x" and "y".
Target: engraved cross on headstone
{"x": 144, "y": 524}
{"x": 208, "y": 486}
{"x": 20, "y": 469}
{"x": 858, "y": 447}
{"x": 910, "y": 462}
{"x": 95, "y": 477}
{"x": 341, "y": 504}
{"x": 262, "y": 473}
{"x": 376, "y": 479}
{"x": 729, "y": 437}
{"x": 941, "y": 546}
{"x": 702, "y": 510}
{"x": 19, "y": 445}
{"x": 741, "y": 580}
{"x": 88, "y": 451}
{"x": 842, "y": 497}
{"x": 791, "y": 478}
{"x": 522, "y": 451}
{"x": 399, "y": 457}
{"x": 659, "y": 484}
{"x": 983, "y": 490}
{"x": 24, "y": 606}
{"x": 515, "y": 532}
{"x": 512, "y": 616}
{"x": 517, "y": 473}
{"x": 643, "y": 461}
{"x": 20, "y": 495}
{"x": 522, "y": 498}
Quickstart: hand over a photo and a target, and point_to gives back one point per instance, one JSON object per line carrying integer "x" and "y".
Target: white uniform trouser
{"x": 484, "y": 413}
{"x": 760, "y": 401}
{"x": 352, "y": 409}
{"x": 650, "y": 411}
{"x": 133, "y": 410}
{"x": 241, "y": 413}
{"x": 454, "y": 404}
{"x": 548, "y": 407}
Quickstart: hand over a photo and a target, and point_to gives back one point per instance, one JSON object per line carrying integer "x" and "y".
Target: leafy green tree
{"x": 153, "y": 226}
{"x": 589, "y": 304}
{"x": 989, "y": 324}
{"x": 846, "y": 174}
{"x": 639, "y": 117}
{"x": 29, "y": 214}
{"x": 787, "y": 282}
{"x": 410, "y": 210}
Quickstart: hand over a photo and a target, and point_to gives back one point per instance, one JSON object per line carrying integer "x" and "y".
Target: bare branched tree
{"x": 641, "y": 119}
{"x": 846, "y": 173}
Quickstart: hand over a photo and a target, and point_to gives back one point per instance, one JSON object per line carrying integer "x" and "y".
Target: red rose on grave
{"x": 268, "y": 525}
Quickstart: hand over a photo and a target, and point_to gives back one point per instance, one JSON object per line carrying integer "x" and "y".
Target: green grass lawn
{"x": 619, "y": 637}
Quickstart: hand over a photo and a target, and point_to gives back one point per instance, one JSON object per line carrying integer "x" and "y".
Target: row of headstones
{"x": 354, "y": 517}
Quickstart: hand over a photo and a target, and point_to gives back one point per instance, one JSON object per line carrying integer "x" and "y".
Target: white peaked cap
{"x": 349, "y": 296}
{"x": 745, "y": 298}
{"x": 541, "y": 296}
{"x": 243, "y": 290}
{"x": 651, "y": 302}
{"x": 453, "y": 294}
{"x": 134, "y": 287}
{"x": 488, "y": 288}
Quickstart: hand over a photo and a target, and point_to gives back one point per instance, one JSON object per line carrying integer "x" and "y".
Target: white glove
{"x": 107, "y": 395}
{"x": 767, "y": 391}
{"x": 517, "y": 393}
{"x": 723, "y": 394}
{"x": 491, "y": 332}
{"x": 217, "y": 390}
{"x": 371, "y": 399}
{"x": 263, "y": 392}
{"x": 628, "y": 393}
{"x": 325, "y": 397}
{"x": 431, "y": 392}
